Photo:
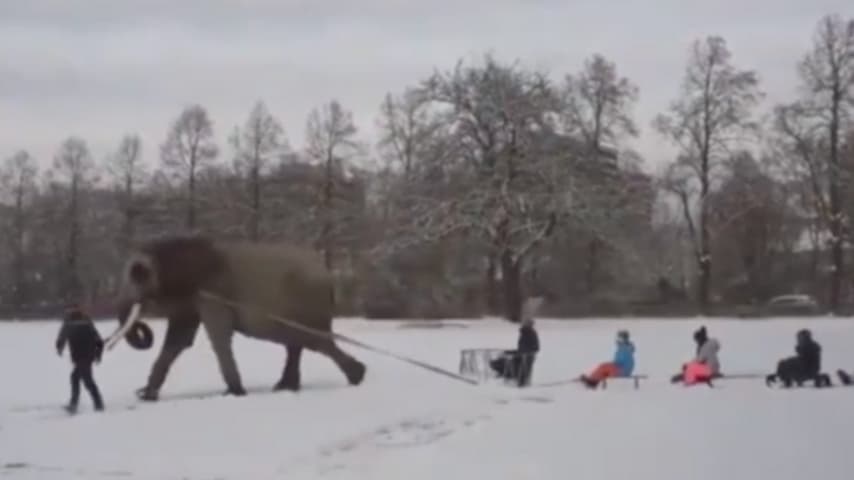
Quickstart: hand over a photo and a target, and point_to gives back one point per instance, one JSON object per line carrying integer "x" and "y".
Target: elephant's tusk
{"x": 133, "y": 317}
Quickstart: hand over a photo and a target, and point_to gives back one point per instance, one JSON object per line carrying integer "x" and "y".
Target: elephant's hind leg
{"x": 353, "y": 369}
{"x": 291, "y": 376}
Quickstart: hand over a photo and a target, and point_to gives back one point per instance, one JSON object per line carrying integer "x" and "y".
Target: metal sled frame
{"x": 474, "y": 363}
{"x": 635, "y": 380}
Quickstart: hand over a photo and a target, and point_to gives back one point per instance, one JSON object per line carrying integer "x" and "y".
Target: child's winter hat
{"x": 700, "y": 336}
{"x": 623, "y": 335}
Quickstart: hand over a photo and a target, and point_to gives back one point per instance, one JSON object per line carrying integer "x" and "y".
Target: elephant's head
{"x": 139, "y": 281}
{"x": 162, "y": 279}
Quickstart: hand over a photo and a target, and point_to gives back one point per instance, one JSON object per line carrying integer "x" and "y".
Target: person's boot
{"x": 770, "y": 380}
{"x": 71, "y": 406}
{"x": 95, "y": 393}
{"x": 588, "y": 382}
{"x": 844, "y": 377}
{"x": 706, "y": 380}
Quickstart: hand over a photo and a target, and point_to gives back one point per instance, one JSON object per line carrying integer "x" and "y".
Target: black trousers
{"x": 82, "y": 372}
{"x": 792, "y": 369}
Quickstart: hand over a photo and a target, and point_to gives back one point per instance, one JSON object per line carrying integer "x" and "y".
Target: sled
{"x": 475, "y": 364}
{"x": 634, "y": 378}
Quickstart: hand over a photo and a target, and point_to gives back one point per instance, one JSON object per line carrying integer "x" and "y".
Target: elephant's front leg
{"x": 180, "y": 333}
{"x": 219, "y": 325}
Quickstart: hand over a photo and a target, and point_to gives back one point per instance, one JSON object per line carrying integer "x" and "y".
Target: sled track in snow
{"x": 410, "y": 432}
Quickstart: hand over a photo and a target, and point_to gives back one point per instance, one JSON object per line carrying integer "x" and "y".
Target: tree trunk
{"x": 127, "y": 231}
{"x": 255, "y": 225}
{"x": 18, "y": 262}
{"x": 72, "y": 290}
{"x": 129, "y": 216}
{"x": 328, "y": 192}
{"x": 704, "y": 284}
{"x": 705, "y": 260}
{"x": 835, "y": 207}
{"x": 592, "y": 266}
{"x": 191, "y": 201}
{"x": 511, "y": 280}
{"x": 838, "y": 259}
{"x": 490, "y": 286}
{"x": 815, "y": 256}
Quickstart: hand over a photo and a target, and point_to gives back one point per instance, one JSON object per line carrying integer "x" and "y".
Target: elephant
{"x": 195, "y": 280}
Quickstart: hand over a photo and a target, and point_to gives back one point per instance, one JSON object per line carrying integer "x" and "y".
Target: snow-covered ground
{"x": 407, "y": 423}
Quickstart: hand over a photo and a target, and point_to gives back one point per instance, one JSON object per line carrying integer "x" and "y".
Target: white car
{"x": 793, "y": 304}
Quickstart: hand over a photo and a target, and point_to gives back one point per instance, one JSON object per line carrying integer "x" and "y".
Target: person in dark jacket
{"x": 805, "y": 365}
{"x": 518, "y": 364}
{"x": 85, "y": 346}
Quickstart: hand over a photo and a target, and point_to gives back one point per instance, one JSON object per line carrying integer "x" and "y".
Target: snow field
{"x": 404, "y": 422}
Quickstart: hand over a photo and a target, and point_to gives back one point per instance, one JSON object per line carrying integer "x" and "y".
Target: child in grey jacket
{"x": 707, "y": 353}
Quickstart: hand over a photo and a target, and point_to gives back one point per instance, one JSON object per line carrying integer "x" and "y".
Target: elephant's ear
{"x": 141, "y": 276}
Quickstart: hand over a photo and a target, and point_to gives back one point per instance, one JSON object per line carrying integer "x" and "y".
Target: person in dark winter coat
{"x": 805, "y": 365}
{"x": 85, "y": 346}
{"x": 518, "y": 364}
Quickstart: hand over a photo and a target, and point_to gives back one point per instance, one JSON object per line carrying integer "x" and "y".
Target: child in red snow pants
{"x": 603, "y": 371}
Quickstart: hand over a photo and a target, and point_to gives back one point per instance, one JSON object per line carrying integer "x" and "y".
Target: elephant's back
{"x": 278, "y": 279}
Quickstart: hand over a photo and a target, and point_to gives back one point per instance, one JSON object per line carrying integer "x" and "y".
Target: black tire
{"x": 140, "y": 336}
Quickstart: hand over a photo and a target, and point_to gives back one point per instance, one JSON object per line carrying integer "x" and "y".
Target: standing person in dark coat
{"x": 518, "y": 364}
{"x": 805, "y": 365}
{"x": 86, "y": 347}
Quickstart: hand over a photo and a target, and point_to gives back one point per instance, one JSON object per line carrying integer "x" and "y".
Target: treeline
{"x": 489, "y": 182}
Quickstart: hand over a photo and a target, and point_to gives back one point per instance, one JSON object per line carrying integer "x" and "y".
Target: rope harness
{"x": 340, "y": 337}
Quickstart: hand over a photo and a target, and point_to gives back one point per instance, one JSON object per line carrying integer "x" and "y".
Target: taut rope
{"x": 342, "y": 338}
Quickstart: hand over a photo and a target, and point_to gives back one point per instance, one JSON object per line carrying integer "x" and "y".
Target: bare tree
{"x": 129, "y": 173}
{"x": 598, "y": 109}
{"x": 18, "y": 181}
{"x": 706, "y": 122}
{"x": 503, "y": 183}
{"x": 256, "y": 146}
{"x": 408, "y": 130}
{"x": 411, "y": 136}
{"x": 330, "y": 140}
{"x": 753, "y": 223}
{"x": 598, "y": 104}
{"x": 73, "y": 172}
{"x": 189, "y": 146}
{"x": 813, "y": 130}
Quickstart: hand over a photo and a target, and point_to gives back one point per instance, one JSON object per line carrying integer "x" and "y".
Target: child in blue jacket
{"x": 622, "y": 365}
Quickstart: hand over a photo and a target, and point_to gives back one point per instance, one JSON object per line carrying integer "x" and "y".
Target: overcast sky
{"x": 101, "y": 68}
